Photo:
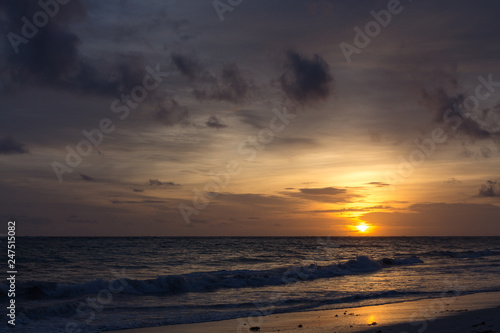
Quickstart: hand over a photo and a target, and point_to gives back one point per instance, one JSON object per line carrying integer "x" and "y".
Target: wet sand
{"x": 469, "y": 313}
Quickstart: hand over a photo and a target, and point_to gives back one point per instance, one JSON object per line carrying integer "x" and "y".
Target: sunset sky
{"x": 251, "y": 119}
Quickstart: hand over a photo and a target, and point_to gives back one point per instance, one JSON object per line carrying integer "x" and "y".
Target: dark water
{"x": 94, "y": 284}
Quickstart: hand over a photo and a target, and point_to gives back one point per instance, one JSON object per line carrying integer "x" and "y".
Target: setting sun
{"x": 362, "y": 227}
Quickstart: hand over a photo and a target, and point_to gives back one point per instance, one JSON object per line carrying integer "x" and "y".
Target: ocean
{"x": 67, "y": 284}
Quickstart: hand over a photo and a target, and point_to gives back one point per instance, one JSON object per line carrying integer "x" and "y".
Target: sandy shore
{"x": 469, "y": 313}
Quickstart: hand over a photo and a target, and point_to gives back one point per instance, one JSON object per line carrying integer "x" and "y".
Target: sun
{"x": 362, "y": 227}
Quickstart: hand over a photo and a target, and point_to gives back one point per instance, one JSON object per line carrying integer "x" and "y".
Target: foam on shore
{"x": 469, "y": 313}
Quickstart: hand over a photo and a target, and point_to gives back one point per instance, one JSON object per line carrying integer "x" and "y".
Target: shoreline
{"x": 478, "y": 312}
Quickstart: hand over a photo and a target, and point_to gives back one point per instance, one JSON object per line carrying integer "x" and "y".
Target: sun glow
{"x": 362, "y": 227}
{"x": 371, "y": 320}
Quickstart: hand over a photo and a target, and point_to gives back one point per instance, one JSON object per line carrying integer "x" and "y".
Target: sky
{"x": 250, "y": 118}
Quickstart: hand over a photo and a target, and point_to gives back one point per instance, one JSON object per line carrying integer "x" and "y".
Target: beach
{"x": 469, "y": 313}
{"x": 206, "y": 284}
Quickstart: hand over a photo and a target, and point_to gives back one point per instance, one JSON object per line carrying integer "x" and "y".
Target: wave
{"x": 118, "y": 317}
{"x": 70, "y": 309}
{"x": 359, "y": 246}
{"x": 208, "y": 281}
{"x": 50, "y": 311}
{"x": 464, "y": 254}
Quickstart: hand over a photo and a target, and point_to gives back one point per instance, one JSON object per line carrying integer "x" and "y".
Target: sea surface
{"x": 98, "y": 284}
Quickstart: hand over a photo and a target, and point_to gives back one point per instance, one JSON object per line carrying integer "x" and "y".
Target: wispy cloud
{"x": 325, "y": 194}
{"x": 378, "y": 184}
{"x": 156, "y": 182}
{"x": 138, "y": 202}
{"x": 355, "y": 209}
{"x": 9, "y": 145}
{"x": 86, "y": 178}
{"x": 214, "y": 122}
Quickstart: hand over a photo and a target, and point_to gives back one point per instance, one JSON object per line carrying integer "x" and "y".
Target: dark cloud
{"x": 229, "y": 85}
{"x": 453, "y": 181}
{"x": 306, "y": 80}
{"x": 471, "y": 126}
{"x": 325, "y": 194}
{"x": 76, "y": 219}
{"x": 490, "y": 189}
{"x": 51, "y": 56}
{"x": 214, "y": 122}
{"x": 378, "y": 184}
{"x": 9, "y": 145}
{"x": 445, "y": 98}
{"x": 52, "y": 50}
{"x": 188, "y": 66}
{"x": 87, "y": 178}
{"x": 323, "y": 191}
{"x": 354, "y": 209}
{"x": 140, "y": 190}
{"x": 156, "y": 182}
{"x": 199, "y": 221}
{"x": 477, "y": 151}
{"x": 169, "y": 112}
{"x": 137, "y": 202}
